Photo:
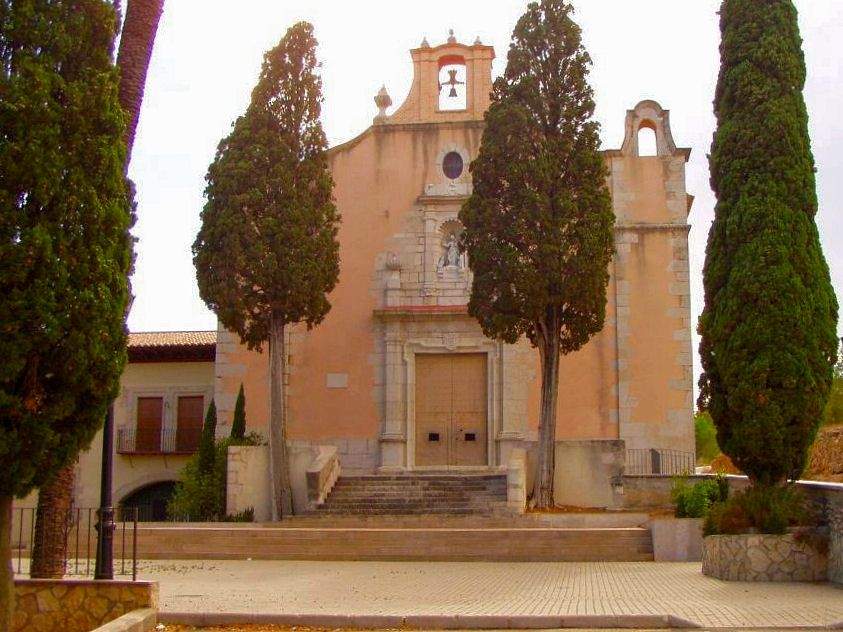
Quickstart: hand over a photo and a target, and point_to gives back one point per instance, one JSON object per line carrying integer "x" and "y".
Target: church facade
{"x": 399, "y": 377}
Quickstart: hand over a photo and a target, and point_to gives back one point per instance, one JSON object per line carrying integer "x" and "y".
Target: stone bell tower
{"x": 451, "y": 82}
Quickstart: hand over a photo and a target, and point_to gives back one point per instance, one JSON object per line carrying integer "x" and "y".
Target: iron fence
{"x": 659, "y": 462}
{"x": 79, "y": 527}
{"x": 154, "y": 441}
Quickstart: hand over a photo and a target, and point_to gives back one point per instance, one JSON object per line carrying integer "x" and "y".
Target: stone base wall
{"x": 800, "y": 557}
{"x": 589, "y": 473}
{"x": 43, "y": 605}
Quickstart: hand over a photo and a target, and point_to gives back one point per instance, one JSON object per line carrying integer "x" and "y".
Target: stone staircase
{"x": 436, "y": 537}
{"x": 416, "y": 494}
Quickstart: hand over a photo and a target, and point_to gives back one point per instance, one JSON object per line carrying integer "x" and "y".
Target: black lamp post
{"x": 104, "y": 568}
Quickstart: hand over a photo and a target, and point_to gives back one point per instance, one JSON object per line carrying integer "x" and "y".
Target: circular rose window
{"x": 452, "y": 165}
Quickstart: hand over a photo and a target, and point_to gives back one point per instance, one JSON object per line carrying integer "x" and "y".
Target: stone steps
{"x": 504, "y": 519}
{"x": 384, "y": 543}
{"x": 416, "y": 494}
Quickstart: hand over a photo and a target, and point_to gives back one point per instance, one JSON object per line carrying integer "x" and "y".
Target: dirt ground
{"x": 826, "y": 463}
{"x": 243, "y": 628}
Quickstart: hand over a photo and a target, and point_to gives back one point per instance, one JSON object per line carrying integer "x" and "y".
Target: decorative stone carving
{"x": 451, "y": 257}
{"x": 393, "y": 264}
{"x": 383, "y": 101}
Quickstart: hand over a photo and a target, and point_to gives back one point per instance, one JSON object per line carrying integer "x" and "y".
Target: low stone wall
{"x": 322, "y": 474}
{"x": 651, "y": 491}
{"x": 835, "y": 549}
{"x": 589, "y": 473}
{"x": 645, "y": 492}
{"x": 677, "y": 539}
{"x": 796, "y": 557}
{"x": 77, "y": 605}
{"x": 142, "y": 620}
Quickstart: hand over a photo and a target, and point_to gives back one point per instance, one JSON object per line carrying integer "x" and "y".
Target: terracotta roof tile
{"x": 172, "y": 346}
{"x": 172, "y": 338}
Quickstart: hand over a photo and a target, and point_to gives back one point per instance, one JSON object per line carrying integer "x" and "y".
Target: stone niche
{"x": 801, "y": 556}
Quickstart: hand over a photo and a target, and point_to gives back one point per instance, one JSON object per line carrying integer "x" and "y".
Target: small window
{"x": 433, "y": 436}
{"x": 470, "y": 436}
{"x": 453, "y": 165}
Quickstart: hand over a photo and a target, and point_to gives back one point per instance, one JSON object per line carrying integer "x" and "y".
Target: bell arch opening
{"x": 647, "y": 145}
{"x": 453, "y": 83}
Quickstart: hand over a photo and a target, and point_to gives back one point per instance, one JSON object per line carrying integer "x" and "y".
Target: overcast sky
{"x": 208, "y": 54}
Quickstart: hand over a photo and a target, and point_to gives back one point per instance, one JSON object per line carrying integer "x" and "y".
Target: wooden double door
{"x": 451, "y": 410}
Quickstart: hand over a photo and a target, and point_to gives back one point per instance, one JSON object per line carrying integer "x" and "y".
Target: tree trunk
{"x": 52, "y": 521}
{"x": 136, "y": 42}
{"x": 282, "y": 493}
{"x": 7, "y": 583}
{"x": 543, "y": 485}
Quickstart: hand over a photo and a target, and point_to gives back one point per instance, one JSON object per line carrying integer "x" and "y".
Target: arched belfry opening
{"x": 648, "y": 131}
{"x": 647, "y": 145}
{"x": 453, "y": 84}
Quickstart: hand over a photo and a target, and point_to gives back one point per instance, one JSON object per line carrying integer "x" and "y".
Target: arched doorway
{"x": 150, "y": 500}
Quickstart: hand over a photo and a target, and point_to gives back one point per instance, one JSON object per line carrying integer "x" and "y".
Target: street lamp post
{"x": 104, "y": 568}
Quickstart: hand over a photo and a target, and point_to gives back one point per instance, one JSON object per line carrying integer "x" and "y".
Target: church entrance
{"x": 451, "y": 415}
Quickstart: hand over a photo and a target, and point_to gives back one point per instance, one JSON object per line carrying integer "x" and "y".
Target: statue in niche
{"x": 451, "y": 257}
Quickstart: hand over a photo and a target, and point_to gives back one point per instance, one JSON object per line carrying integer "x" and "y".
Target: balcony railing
{"x": 151, "y": 441}
{"x": 659, "y": 462}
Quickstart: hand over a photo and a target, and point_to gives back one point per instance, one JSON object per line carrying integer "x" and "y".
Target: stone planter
{"x": 795, "y": 557}
{"x": 677, "y": 539}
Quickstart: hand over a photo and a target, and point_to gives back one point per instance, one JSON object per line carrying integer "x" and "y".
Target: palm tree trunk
{"x": 549, "y": 352}
{"x": 52, "y": 521}
{"x": 279, "y": 465}
{"x": 136, "y": 43}
{"x": 7, "y": 585}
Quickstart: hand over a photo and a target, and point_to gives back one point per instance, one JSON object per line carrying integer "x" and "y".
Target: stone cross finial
{"x": 451, "y": 38}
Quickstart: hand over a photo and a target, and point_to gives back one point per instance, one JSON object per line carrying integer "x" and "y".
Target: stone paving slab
{"x": 475, "y": 589}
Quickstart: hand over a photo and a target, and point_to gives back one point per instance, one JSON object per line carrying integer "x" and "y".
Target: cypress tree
{"x": 768, "y": 328}
{"x": 208, "y": 441}
{"x": 267, "y": 253}
{"x": 238, "y": 425}
{"x": 65, "y": 249}
{"x": 539, "y": 224}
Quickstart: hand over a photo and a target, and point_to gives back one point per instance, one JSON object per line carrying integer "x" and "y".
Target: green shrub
{"x": 833, "y": 414}
{"x": 208, "y": 440}
{"x": 759, "y": 509}
{"x": 694, "y": 501}
{"x": 238, "y": 425}
{"x": 200, "y": 496}
{"x": 705, "y": 434}
{"x": 247, "y": 515}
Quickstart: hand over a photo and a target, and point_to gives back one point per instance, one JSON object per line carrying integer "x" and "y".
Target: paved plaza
{"x": 483, "y": 589}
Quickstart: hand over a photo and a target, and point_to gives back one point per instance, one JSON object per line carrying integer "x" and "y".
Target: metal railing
{"x": 659, "y": 462}
{"x": 80, "y": 541}
{"x": 152, "y": 441}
